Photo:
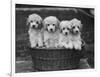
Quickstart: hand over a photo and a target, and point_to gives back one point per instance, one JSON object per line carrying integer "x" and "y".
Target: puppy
{"x": 35, "y": 30}
{"x": 76, "y": 33}
{"x": 51, "y": 31}
{"x": 65, "y": 36}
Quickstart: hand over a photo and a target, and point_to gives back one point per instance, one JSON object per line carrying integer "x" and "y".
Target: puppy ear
{"x": 41, "y": 20}
{"x": 58, "y": 23}
{"x": 60, "y": 27}
{"x": 81, "y": 25}
{"x": 71, "y": 23}
{"x": 40, "y": 25}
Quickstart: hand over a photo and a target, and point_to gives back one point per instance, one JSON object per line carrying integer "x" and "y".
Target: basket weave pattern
{"x": 55, "y": 59}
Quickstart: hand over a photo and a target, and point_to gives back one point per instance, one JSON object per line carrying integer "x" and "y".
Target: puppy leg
{"x": 56, "y": 43}
{"x": 46, "y": 43}
{"x": 32, "y": 41}
{"x": 66, "y": 45}
{"x": 33, "y": 44}
{"x": 79, "y": 43}
{"x": 40, "y": 42}
{"x": 60, "y": 43}
{"x": 75, "y": 45}
{"x": 70, "y": 45}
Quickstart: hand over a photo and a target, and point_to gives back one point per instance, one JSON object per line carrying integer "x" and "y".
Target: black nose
{"x": 33, "y": 26}
{"x": 76, "y": 31}
{"x": 66, "y": 33}
{"x": 51, "y": 29}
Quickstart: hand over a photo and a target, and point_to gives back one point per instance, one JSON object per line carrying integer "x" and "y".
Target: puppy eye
{"x": 53, "y": 24}
{"x": 63, "y": 28}
{"x": 68, "y": 29}
{"x": 36, "y": 22}
{"x": 78, "y": 27}
{"x": 73, "y": 27}
{"x": 47, "y": 24}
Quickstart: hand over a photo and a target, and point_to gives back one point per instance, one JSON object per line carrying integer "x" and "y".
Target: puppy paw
{"x": 33, "y": 46}
{"x": 70, "y": 47}
{"x": 46, "y": 45}
{"x": 66, "y": 46}
{"x": 40, "y": 45}
{"x": 78, "y": 48}
{"x": 58, "y": 45}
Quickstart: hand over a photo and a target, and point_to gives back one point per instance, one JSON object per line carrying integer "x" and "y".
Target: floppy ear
{"x": 41, "y": 20}
{"x": 40, "y": 25}
{"x": 81, "y": 25}
{"x": 58, "y": 23}
{"x": 60, "y": 27}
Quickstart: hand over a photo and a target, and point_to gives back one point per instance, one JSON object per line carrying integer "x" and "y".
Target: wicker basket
{"x": 55, "y": 59}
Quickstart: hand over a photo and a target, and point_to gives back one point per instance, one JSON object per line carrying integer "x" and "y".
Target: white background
{"x": 5, "y": 38}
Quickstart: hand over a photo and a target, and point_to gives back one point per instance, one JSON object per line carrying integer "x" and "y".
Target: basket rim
{"x": 53, "y": 49}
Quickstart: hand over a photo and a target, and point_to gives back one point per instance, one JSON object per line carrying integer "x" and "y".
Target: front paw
{"x": 45, "y": 45}
{"x": 60, "y": 45}
{"x": 78, "y": 48}
{"x": 40, "y": 45}
{"x": 70, "y": 47}
{"x": 33, "y": 46}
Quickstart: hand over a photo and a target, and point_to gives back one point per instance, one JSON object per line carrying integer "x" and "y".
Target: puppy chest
{"x": 35, "y": 35}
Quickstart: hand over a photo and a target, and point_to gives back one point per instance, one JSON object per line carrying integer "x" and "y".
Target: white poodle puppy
{"x": 76, "y": 33}
{"x": 35, "y": 30}
{"x": 51, "y": 31}
{"x": 65, "y": 36}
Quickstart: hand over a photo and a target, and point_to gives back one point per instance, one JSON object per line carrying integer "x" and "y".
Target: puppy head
{"x": 51, "y": 23}
{"x": 65, "y": 27}
{"x": 76, "y": 26}
{"x": 34, "y": 21}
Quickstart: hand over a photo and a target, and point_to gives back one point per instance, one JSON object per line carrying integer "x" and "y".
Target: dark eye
{"x": 36, "y": 22}
{"x": 73, "y": 27}
{"x": 31, "y": 21}
{"x": 78, "y": 26}
{"x": 53, "y": 24}
{"x": 67, "y": 28}
{"x": 63, "y": 28}
{"x": 47, "y": 24}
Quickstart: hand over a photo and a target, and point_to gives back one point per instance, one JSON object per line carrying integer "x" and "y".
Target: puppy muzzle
{"x": 51, "y": 30}
{"x": 66, "y": 33}
{"x": 75, "y": 32}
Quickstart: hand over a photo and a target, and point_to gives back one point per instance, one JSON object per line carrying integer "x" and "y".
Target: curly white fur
{"x": 76, "y": 33}
{"x": 51, "y": 32}
{"x": 65, "y": 37}
{"x": 35, "y": 30}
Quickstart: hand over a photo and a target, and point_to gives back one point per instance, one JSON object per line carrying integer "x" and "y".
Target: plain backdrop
{"x": 5, "y": 38}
